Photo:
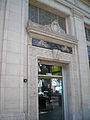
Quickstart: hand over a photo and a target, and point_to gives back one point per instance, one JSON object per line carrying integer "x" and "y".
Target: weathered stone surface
{"x": 12, "y": 116}
{"x": 19, "y": 59}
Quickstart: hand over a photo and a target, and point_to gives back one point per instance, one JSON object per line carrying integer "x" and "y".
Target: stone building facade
{"x": 53, "y": 32}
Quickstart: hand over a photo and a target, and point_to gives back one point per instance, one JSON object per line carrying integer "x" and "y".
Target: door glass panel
{"x": 50, "y": 94}
{"x": 49, "y": 70}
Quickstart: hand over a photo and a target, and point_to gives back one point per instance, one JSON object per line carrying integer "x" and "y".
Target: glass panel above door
{"x": 49, "y": 70}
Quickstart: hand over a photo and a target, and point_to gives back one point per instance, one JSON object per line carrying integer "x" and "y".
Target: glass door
{"x": 50, "y": 92}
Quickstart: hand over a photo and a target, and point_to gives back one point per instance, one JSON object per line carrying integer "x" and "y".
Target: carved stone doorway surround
{"x": 52, "y": 57}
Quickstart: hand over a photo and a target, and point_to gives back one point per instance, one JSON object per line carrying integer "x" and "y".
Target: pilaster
{"x": 2, "y": 25}
{"x": 83, "y": 63}
{"x": 12, "y": 38}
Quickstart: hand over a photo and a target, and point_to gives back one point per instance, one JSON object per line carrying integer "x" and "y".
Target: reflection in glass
{"x": 49, "y": 70}
{"x": 50, "y": 93}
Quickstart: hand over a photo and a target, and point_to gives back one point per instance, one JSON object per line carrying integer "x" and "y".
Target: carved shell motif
{"x": 56, "y": 28}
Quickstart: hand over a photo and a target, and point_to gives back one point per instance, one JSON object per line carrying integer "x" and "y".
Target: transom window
{"x": 87, "y": 31}
{"x": 42, "y": 17}
{"x": 49, "y": 69}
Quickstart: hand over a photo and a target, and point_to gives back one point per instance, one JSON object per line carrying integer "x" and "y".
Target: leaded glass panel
{"x": 89, "y": 53}
{"x": 87, "y": 31}
{"x": 33, "y": 14}
{"x": 61, "y": 22}
{"x": 43, "y": 17}
{"x": 46, "y": 18}
{"x": 53, "y": 17}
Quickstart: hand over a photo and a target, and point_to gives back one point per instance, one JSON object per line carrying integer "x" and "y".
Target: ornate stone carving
{"x": 56, "y": 28}
{"x": 55, "y": 54}
{"x": 53, "y": 27}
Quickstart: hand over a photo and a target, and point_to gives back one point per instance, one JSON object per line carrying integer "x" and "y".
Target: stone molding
{"x": 50, "y": 32}
{"x": 56, "y": 54}
{"x": 77, "y": 13}
{"x": 87, "y": 2}
{"x": 73, "y": 6}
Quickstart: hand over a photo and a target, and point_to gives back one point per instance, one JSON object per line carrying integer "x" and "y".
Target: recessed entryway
{"x": 50, "y": 92}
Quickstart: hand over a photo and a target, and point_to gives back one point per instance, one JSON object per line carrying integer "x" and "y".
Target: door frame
{"x": 51, "y": 62}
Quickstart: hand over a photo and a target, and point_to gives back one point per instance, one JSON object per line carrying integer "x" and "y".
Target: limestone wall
{"x": 19, "y": 60}
{"x": 13, "y": 34}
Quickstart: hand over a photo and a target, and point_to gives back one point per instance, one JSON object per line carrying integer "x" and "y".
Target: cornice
{"x": 77, "y": 13}
{"x": 75, "y": 7}
{"x": 87, "y": 2}
{"x": 54, "y": 35}
{"x": 69, "y": 5}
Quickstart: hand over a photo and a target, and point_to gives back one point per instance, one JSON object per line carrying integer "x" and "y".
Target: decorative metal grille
{"x": 51, "y": 46}
{"x": 87, "y": 31}
{"x": 45, "y": 18}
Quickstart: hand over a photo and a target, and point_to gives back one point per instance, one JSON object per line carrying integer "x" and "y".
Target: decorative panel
{"x": 51, "y": 46}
